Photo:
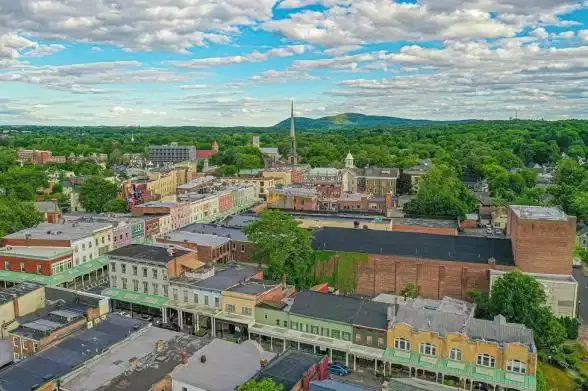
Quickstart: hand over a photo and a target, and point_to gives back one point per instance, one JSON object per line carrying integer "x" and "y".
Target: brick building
{"x": 39, "y": 260}
{"x": 35, "y": 156}
{"x": 196, "y": 184}
{"x": 210, "y": 248}
{"x": 50, "y": 210}
{"x": 241, "y": 249}
{"x": 293, "y": 198}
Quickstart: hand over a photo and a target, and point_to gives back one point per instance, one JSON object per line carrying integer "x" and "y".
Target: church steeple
{"x": 292, "y": 155}
{"x": 349, "y": 161}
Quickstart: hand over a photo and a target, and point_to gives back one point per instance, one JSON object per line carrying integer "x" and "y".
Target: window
{"x": 39, "y": 269}
{"x": 380, "y": 342}
{"x": 314, "y": 329}
{"x": 185, "y": 296}
{"x": 103, "y": 239}
{"x": 428, "y": 349}
{"x": 144, "y": 272}
{"x": 358, "y": 338}
{"x": 455, "y": 354}
{"x": 123, "y": 268}
{"x": 155, "y": 289}
{"x": 22, "y": 267}
{"x": 113, "y": 282}
{"x": 6, "y": 265}
{"x": 83, "y": 246}
{"x": 196, "y": 298}
{"x": 145, "y": 287}
{"x": 165, "y": 290}
{"x": 136, "y": 285}
{"x": 112, "y": 267}
{"x": 346, "y": 336}
{"x": 135, "y": 270}
{"x": 154, "y": 271}
{"x": 124, "y": 282}
{"x": 486, "y": 360}
{"x": 184, "y": 389}
{"x": 230, "y": 308}
{"x": 402, "y": 344}
{"x": 84, "y": 258}
{"x": 205, "y": 300}
{"x": 242, "y": 248}
{"x": 335, "y": 334}
{"x": 217, "y": 302}
{"x": 246, "y": 311}
{"x": 516, "y": 366}
{"x": 234, "y": 246}
{"x": 294, "y": 325}
{"x": 278, "y": 323}
{"x": 286, "y": 324}
{"x": 175, "y": 293}
{"x": 96, "y": 241}
{"x": 35, "y": 347}
{"x": 16, "y": 342}
{"x": 368, "y": 339}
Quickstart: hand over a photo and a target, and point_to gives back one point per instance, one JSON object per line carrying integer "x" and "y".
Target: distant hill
{"x": 355, "y": 120}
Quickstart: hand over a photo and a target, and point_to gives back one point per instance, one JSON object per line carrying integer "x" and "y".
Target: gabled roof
{"x": 343, "y": 309}
{"x": 204, "y": 153}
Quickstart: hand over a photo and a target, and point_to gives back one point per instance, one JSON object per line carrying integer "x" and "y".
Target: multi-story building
{"x": 179, "y": 213}
{"x": 241, "y": 249}
{"x": 35, "y": 156}
{"x": 210, "y": 248}
{"x": 121, "y": 229}
{"x": 195, "y": 185}
{"x": 174, "y": 153}
{"x": 50, "y": 210}
{"x": 444, "y": 338}
{"x": 39, "y": 260}
{"x": 147, "y": 269}
{"x": 293, "y": 198}
{"x": 87, "y": 240}
{"x": 17, "y": 301}
{"x": 261, "y": 185}
{"x": 322, "y": 175}
{"x": 417, "y": 173}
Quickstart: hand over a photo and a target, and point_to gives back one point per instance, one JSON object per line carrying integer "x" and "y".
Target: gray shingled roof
{"x": 343, "y": 309}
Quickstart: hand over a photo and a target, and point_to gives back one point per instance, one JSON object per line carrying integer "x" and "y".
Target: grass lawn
{"x": 343, "y": 277}
{"x": 557, "y": 380}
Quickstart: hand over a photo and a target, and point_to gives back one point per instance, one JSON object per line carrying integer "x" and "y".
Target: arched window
{"x": 455, "y": 354}
{"x": 486, "y": 360}
{"x": 516, "y": 366}
{"x": 428, "y": 349}
{"x": 401, "y": 344}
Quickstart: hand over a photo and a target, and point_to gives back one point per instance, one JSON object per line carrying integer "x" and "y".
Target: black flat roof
{"x": 289, "y": 368}
{"x": 415, "y": 245}
{"x": 344, "y": 309}
{"x": 147, "y": 253}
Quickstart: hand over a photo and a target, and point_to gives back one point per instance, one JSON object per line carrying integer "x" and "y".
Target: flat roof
{"x": 198, "y": 238}
{"x": 49, "y": 323}
{"x": 7, "y": 295}
{"x": 47, "y": 231}
{"x": 226, "y": 278}
{"x": 289, "y": 368}
{"x": 218, "y": 230}
{"x": 157, "y": 204}
{"x": 113, "y": 370}
{"x": 143, "y": 252}
{"x": 238, "y": 221}
{"x": 539, "y": 213}
{"x": 57, "y": 278}
{"x": 68, "y": 354}
{"x": 416, "y": 245}
{"x": 295, "y": 191}
{"x": 226, "y": 366}
{"x": 424, "y": 222}
{"x": 38, "y": 253}
{"x": 197, "y": 182}
{"x": 253, "y": 287}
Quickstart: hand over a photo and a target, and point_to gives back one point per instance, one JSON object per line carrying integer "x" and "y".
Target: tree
{"x": 115, "y": 206}
{"x": 283, "y": 246}
{"x": 410, "y": 290}
{"x": 571, "y": 325}
{"x": 7, "y": 158}
{"x": 95, "y": 194}
{"x": 266, "y": 384}
{"x": 16, "y": 215}
{"x": 512, "y": 289}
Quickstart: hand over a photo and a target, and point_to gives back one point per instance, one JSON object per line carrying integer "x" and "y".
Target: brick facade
{"x": 435, "y": 279}
{"x": 34, "y": 266}
{"x": 542, "y": 246}
{"x": 424, "y": 229}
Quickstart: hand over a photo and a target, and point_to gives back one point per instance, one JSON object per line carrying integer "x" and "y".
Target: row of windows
{"x": 135, "y": 271}
{"x": 77, "y": 248}
{"x": 369, "y": 340}
{"x": 455, "y": 354}
{"x": 230, "y": 308}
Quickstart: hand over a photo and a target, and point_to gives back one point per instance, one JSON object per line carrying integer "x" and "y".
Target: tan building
{"x": 261, "y": 185}
{"x": 17, "y": 301}
{"x": 163, "y": 182}
{"x": 561, "y": 292}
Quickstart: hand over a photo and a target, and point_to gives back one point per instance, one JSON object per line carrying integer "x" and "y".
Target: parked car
{"x": 145, "y": 317}
{"x": 337, "y": 368}
{"x": 125, "y": 314}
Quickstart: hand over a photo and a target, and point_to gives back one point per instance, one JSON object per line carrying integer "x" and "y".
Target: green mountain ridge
{"x": 356, "y": 120}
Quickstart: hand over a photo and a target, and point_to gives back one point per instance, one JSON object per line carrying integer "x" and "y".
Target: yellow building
{"x": 163, "y": 182}
{"x": 261, "y": 185}
{"x": 443, "y": 339}
{"x": 283, "y": 178}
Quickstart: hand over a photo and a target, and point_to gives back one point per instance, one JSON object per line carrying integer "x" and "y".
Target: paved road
{"x": 578, "y": 273}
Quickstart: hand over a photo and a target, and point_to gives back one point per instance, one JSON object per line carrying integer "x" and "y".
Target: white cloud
{"x": 283, "y": 77}
{"x": 11, "y": 46}
{"x": 583, "y": 34}
{"x": 44, "y": 50}
{"x": 540, "y": 33}
{"x": 255, "y": 56}
{"x": 174, "y": 25}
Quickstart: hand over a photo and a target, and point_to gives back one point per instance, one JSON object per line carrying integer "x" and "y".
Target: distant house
{"x": 582, "y": 235}
{"x": 50, "y": 210}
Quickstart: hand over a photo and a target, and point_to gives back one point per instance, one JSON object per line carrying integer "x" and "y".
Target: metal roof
{"x": 135, "y": 297}
{"x": 73, "y": 231}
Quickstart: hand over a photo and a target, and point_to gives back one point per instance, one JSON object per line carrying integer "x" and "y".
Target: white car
{"x": 125, "y": 314}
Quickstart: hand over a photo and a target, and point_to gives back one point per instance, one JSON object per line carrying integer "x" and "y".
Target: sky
{"x": 240, "y": 62}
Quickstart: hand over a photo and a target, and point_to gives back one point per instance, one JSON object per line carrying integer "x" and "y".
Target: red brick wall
{"x": 225, "y": 202}
{"x": 424, "y": 230}
{"x": 469, "y": 224}
{"x": 143, "y": 210}
{"x": 247, "y": 255}
{"x": 435, "y": 279}
{"x": 329, "y": 190}
{"x": 541, "y": 246}
{"x": 35, "y": 242}
{"x": 296, "y": 176}
{"x": 206, "y": 254}
{"x": 151, "y": 228}
{"x": 30, "y": 264}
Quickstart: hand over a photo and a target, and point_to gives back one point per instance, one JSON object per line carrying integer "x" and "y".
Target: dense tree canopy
{"x": 266, "y": 384}
{"x": 283, "y": 247}
{"x": 16, "y": 215}
{"x": 99, "y": 195}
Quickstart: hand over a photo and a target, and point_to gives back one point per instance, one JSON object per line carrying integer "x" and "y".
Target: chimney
{"x": 133, "y": 363}
{"x": 263, "y": 362}
{"x": 284, "y": 281}
{"x": 185, "y": 358}
{"x": 15, "y": 304}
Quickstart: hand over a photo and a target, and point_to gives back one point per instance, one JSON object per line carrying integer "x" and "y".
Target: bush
{"x": 571, "y": 325}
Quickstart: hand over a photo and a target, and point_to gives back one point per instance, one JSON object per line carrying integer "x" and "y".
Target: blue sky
{"x": 239, "y": 62}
